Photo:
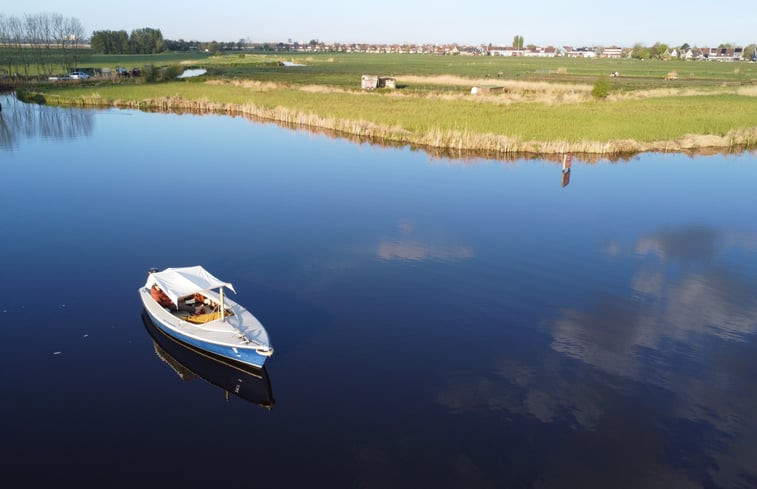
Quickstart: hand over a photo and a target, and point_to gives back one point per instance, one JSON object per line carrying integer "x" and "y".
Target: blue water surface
{"x": 437, "y": 322}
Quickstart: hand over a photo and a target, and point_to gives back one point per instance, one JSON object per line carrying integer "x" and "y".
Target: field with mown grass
{"x": 545, "y": 105}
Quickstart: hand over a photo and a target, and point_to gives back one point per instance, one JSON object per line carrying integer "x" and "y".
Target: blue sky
{"x": 577, "y": 22}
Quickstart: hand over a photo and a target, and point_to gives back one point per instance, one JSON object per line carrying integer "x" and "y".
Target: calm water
{"x": 437, "y": 323}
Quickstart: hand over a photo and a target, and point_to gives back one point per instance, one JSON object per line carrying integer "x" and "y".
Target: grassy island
{"x": 543, "y": 106}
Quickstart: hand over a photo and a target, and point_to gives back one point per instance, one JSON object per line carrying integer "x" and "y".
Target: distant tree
{"x": 69, "y": 35}
{"x": 146, "y": 41}
{"x": 110, "y": 42}
{"x": 749, "y": 51}
{"x": 12, "y": 53}
{"x": 211, "y": 47}
{"x": 39, "y": 44}
{"x": 726, "y": 45}
{"x": 659, "y": 50}
{"x": 180, "y": 45}
{"x": 518, "y": 42}
{"x": 77, "y": 38}
{"x": 5, "y": 50}
{"x": 122, "y": 42}
{"x": 38, "y": 33}
{"x": 639, "y": 51}
{"x": 98, "y": 42}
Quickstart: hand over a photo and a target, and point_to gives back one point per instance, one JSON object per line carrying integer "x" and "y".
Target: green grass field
{"x": 139, "y": 60}
{"x": 344, "y": 70}
{"x": 708, "y": 99}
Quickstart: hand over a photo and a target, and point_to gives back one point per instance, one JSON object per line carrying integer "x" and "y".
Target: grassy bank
{"x": 463, "y": 122}
{"x": 541, "y": 106}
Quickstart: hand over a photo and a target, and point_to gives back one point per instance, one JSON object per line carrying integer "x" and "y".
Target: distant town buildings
{"x": 531, "y": 51}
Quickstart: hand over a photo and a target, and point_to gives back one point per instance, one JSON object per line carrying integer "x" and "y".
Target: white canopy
{"x": 181, "y": 282}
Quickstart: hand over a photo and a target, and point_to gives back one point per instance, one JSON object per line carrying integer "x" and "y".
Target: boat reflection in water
{"x": 247, "y": 382}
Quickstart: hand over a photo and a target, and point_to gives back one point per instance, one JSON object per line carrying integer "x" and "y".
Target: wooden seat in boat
{"x": 205, "y": 318}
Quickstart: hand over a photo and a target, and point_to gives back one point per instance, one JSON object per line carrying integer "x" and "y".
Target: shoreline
{"x": 735, "y": 140}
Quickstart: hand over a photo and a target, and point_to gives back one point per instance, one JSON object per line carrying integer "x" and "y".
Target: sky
{"x": 548, "y": 22}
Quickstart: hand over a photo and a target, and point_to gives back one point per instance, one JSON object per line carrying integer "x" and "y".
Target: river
{"x": 437, "y": 322}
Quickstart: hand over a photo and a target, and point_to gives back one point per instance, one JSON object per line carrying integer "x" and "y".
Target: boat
{"x": 249, "y": 383}
{"x": 190, "y": 305}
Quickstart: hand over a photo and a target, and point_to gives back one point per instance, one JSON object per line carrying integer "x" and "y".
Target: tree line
{"x": 40, "y": 44}
{"x": 150, "y": 41}
{"x": 660, "y": 50}
{"x": 212, "y": 46}
{"x": 141, "y": 41}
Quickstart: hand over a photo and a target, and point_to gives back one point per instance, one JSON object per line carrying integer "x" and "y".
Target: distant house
{"x": 536, "y": 52}
{"x": 504, "y": 51}
{"x": 471, "y": 51}
{"x": 612, "y": 53}
{"x": 580, "y": 53}
{"x": 722, "y": 54}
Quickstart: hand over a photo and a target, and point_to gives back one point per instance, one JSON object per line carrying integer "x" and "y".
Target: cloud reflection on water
{"x": 419, "y": 249}
{"x": 671, "y": 364}
{"x": 679, "y": 333}
{"x": 687, "y": 244}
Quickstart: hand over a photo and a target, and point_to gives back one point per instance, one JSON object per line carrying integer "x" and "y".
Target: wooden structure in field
{"x": 487, "y": 89}
{"x": 371, "y": 82}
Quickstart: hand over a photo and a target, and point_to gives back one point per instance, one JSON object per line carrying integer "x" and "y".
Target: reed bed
{"x": 746, "y": 91}
{"x": 510, "y": 85}
{"x": 515, "y": 91}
